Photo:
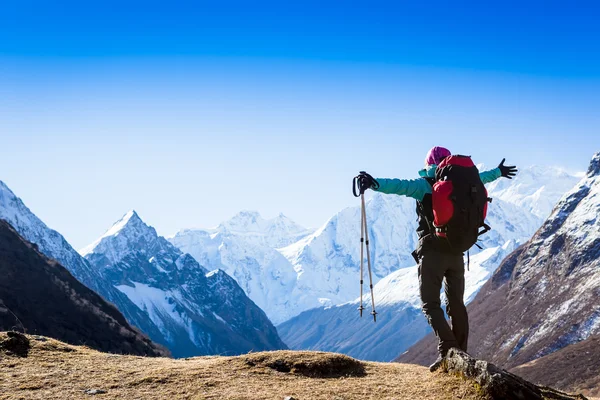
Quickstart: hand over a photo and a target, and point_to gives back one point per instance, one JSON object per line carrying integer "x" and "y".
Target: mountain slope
{"x": 400, "y": 322}
{"x": 321, "y": 268}
{"x": 534, "y": 188}
{"x": 275, "y": 233}
{"x": 40, "y": 296}
{"x": 573, "y": 368}
{"x": 328, "y": 261}
{"x": 197, "y": 312}
{"x": 263, "y": 273}
{"x": 544, "y": 296}
{"x": 53, "y": 245}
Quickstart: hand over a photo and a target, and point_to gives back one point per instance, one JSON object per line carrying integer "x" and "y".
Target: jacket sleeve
{"x": 415, "y": 188}
{"x": 490, "y": 176}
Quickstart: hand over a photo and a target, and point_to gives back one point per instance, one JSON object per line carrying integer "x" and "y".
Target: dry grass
{"x": 54, "y": 370}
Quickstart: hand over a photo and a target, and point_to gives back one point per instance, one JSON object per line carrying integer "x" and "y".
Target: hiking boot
{"x": 437, "y": 364}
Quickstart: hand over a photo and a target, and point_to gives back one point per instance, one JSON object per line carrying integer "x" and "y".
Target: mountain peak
{"x": 129, "y": 226}
{"x": 594, "y": 168}
{"x": 535, "y": 187}
{"x": 247, "y": 215}
{"x": 130, "y": 218}
{"x": 3, "y": 186}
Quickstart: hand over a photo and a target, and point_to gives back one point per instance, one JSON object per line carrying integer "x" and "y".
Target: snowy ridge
{"x": 327, "y": 263}
{"x": 400, "y": 323}
{"x": 274, "y": 233}
{"x": 535, "y": 188}
{"x": 396, "y": 293}
{"x": 321, "y": 269}
{"x": 54, "y": 245}
{"x": 264, "y": 274}
{"x": 245, "y": 248}
{"x": 197, "y": 312}
{"x": 572, "y": 234}
{"x": 125, "y": 238}
{"x": 50, "y": 242}
{"x": 112, "y": 231}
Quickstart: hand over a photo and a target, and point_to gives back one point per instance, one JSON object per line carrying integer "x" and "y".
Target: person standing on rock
{"x": 451, "y": 207}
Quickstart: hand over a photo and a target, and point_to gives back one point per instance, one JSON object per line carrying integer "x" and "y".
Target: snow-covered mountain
{"x": 197, "y": 312}
{"x": 39, "y": 296}
{"x": 400, "y": 323}
{"x": 544, "y": 296}
{"x": 245, "y": 248}
{"x": 266, "y": 276}
{"x": 53, "y": 245}
{"x": 328, "y": 262}
{"x": 321, "y": 269}
{"x": 535, "y": 188}
{"x": 275, "y": 233}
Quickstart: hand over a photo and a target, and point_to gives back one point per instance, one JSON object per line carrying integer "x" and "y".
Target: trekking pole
{"x": 362, "y": 258}
{"x": 359, "y": 191}
{"x": 364, "y": 214}
{"x": 356, "y": 187}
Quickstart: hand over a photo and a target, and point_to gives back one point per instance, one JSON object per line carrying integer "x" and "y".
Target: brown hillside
{"x": 35, "y": 367}
{"x": 576, "y": 367}
{"x": 54, "y": 370}
{"x": 39, "y": 296}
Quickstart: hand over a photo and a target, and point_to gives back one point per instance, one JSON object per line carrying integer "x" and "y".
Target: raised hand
{"x": 507, "y": 171}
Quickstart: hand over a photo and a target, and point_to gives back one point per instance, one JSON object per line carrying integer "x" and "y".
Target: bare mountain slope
{"x": 40, "y": 296}
{"x": 576, "y": 368}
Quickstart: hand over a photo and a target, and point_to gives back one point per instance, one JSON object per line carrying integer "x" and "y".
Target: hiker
{"x": 439, "y": 255}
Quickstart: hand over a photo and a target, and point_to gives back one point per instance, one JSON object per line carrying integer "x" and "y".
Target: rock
{"x": 94, "y": 391}
{"x": 498, "y": 383}
{"x": 312, "y": 365}
{"x": 15, "y": 343}
{"x": 289, "y": 398}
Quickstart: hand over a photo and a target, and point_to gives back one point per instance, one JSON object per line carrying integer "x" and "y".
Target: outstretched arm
{"x": 490, "y": 176}
{"x": 415, "y": 188}
{"x": 506, "y": 171}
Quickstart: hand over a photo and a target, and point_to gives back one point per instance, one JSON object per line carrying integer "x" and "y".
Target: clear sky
{"x": 189, "y": 112}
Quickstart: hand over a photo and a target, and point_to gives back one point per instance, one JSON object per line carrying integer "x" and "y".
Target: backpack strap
{"x": 486, "y": 228}
{"x": 432, "y": 235}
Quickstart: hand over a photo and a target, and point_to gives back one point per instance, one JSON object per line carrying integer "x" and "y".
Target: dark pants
{"x": 434, "y": 267}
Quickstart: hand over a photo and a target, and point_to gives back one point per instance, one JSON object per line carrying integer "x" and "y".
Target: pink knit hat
{"x": 436, "y": 155}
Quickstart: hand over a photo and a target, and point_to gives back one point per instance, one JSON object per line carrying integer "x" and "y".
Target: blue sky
{"x": 189, "y": 112}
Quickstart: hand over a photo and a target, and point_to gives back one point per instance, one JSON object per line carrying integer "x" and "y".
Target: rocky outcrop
{"x": 39, "y": 296}
{"x": 496, "y": 383}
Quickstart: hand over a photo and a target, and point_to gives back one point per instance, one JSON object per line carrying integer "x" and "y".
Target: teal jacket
{"x": 418, "y": 188}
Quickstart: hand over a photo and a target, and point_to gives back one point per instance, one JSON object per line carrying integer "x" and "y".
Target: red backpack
{"x": 459, "y": 202}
